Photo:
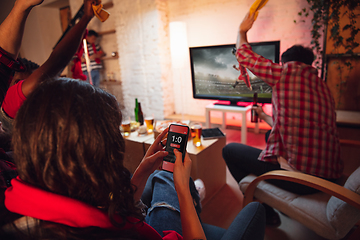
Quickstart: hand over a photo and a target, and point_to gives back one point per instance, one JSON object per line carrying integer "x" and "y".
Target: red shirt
{"x": 28, "y": 200}
{"x": 304, "y": 130}
{"x": 7, "y": 67}
{"x": 14, "y": 98}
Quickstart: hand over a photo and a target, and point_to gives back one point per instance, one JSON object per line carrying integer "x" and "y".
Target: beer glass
{"x": 126, "y": 126}
{"x": 149, "y": 122}
{"x": 196, "y": 130}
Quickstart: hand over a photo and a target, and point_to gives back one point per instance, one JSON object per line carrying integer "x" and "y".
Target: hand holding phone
{"x": 182, "y": 170}
{"x": 177, "y": 139}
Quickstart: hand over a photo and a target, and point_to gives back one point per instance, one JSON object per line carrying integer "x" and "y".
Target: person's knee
{"x": 164, "y": 175}
{"x": 255, "y": 228}
{"x": 255, "y": 207}
{"x": 164, "y": 219}
{"x": 229, "y": 150}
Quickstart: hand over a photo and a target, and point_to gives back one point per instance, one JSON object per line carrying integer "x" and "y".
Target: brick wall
{"x": 143, "y": 44}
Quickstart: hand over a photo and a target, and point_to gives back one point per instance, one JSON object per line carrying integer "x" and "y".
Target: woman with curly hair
{"x": 72, "y": 183}
{"x": 69, "y": 153}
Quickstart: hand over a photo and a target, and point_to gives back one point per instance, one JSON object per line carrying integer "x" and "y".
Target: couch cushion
{"x": 310, "y": 209}
{"x": 343, "y": 216}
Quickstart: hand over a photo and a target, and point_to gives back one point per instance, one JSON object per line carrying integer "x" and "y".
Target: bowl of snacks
{"x": 162, "y": 125}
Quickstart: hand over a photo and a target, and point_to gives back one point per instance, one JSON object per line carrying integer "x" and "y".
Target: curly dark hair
{"x": 298, "y": 53}
{"x": 30, "y": 66}
{"x": 67, "y": 140}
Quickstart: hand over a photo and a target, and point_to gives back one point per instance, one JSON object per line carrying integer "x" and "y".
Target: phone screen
{"x": 177, "y": 139}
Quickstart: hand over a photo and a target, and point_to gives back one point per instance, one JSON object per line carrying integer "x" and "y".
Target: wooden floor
{"x": 226, "y": 204}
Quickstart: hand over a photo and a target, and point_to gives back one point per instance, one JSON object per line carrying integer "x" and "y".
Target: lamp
{"x": 179, "y": 54}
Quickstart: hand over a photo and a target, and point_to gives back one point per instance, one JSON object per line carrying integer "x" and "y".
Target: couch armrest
{"x": 318, "y": 183}
{"x": 348, "y": 142}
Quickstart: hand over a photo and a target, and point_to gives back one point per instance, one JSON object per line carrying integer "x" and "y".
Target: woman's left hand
{"x": 149, "y": 164}
{"x": 154, "y": 154}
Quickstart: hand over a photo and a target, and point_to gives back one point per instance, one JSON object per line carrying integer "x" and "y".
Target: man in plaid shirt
{"x": 304, "y": 136}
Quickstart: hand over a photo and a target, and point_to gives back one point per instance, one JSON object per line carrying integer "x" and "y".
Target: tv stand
{"x": 228, "y": 108}
{"x": 233, "y": 104}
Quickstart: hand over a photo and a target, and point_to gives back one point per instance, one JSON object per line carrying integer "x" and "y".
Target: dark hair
{"x": 67, "y": 140}
{"x": 5, "y": 141}
{"x": 298, "y": 53}
{"x": 92, "y": 33}
{"x": 29, "y": 65}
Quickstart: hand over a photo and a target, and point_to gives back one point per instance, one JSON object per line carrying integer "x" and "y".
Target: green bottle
{"x": 136, "y": 110}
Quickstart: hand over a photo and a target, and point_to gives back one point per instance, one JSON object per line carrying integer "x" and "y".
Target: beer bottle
{"x": 136, "y": 110}
{"x": 254, "y": 115}
{"x": 140, "y": 115}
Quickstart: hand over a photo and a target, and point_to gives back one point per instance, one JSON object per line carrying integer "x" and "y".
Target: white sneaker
{"x": 200, "y": 187}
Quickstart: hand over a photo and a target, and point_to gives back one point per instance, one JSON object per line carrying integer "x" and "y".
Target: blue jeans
{"x": 164, "y": 211}
{"x": 95, "y": 77}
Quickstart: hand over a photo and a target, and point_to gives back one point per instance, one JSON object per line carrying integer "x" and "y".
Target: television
{"x": 214, "y": 77}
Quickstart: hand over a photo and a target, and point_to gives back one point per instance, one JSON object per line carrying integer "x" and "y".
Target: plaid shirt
{"x": 7, "y": 67}
{"x": 304, "y": 130}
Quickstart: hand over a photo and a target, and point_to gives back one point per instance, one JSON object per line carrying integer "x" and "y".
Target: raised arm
{"x": 190, "y": 222}
{"x": 245, "y": 26}
{"x": 263, "y": 68}
{"x": 62, "y": 53}
{"x": 12, "y": 28}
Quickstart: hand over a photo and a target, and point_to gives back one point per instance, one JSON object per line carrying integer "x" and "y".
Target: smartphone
{"x": 177, "y": 139}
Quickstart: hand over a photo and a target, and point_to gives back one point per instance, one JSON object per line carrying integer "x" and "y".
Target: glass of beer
{"x": 126, "y": 126}
{"x": 149, "y": 122}
{"x": 196, "y": 130}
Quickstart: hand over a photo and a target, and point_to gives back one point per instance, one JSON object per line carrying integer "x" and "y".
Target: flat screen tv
{"x": 214, "y": 76}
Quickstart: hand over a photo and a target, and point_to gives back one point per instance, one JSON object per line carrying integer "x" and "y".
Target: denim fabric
{"x": 161, "y": 198}
{"x": 95, "y": 77}
{"x": 164, "y": 211}
{"x": 249, "y": 224}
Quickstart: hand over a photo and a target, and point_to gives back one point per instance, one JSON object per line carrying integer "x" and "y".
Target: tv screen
{"x": 214, "y": 76}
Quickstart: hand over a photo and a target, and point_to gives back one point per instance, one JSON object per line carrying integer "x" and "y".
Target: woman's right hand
{"x": 190, "y": 222}
{"x": 182, "y": 171}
